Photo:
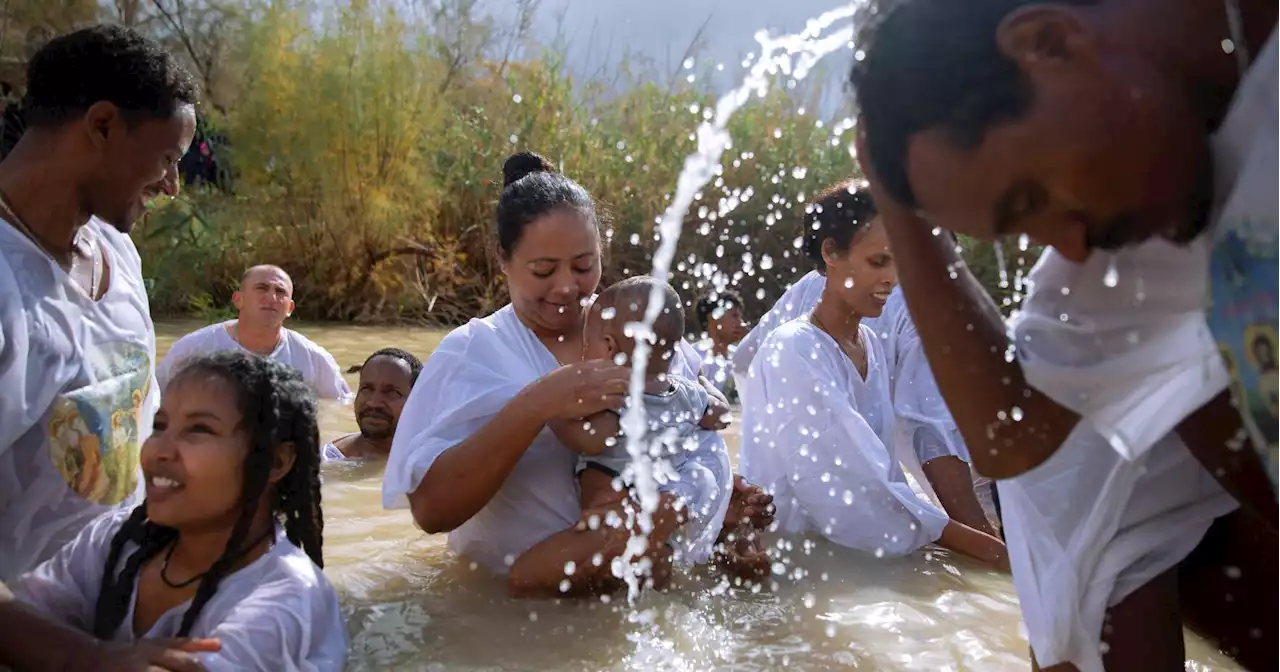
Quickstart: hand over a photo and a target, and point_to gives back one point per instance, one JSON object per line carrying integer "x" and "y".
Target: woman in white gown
{"x": 226, "y": 549}
{"x": 928, "y": 443}
{"x": 476, "y": 453}
{"x": 819, "y": 413}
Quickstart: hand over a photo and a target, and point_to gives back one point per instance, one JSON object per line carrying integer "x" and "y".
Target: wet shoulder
{"x": 290, "y": 579}
{"x": 204, "y": 338}
{"x": 796, "y": 336}
{"x": 489, "y": 331}
{"x": 306, "y": 344}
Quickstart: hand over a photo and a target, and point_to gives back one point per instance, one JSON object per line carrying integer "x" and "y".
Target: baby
{"x": 676, "y": 408}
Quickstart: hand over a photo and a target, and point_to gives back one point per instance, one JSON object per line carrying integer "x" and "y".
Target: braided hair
{"x": 276, "y": 406}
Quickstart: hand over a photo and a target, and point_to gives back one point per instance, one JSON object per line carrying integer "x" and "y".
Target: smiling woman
{"x": 471, "y": 457}
{"x": 227, "y": 544}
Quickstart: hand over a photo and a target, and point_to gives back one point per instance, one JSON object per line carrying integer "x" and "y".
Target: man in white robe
{"x": 264, "y": 301}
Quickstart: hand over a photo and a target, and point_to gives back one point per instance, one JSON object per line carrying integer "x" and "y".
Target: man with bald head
{"x": 264, "y": 301}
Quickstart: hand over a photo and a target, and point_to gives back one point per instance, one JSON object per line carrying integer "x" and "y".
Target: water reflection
{"x": 411, "y": 605}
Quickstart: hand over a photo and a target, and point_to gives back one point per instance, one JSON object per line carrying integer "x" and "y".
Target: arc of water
{"x": 807, "y": 47}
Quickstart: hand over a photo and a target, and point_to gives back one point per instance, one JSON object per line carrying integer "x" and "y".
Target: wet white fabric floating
{"x": 479, "y": 368}
{"x": 316, "y": 365}
{"x": 79, "y": 395}
{"x": 815, "y": 435}
{"x": 277, "y": 614}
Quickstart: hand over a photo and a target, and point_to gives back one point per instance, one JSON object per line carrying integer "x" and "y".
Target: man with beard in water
{"x": 1137, "y": 139}
{"x": 386, "y": 378}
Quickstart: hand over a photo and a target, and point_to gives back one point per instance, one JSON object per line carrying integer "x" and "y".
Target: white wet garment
{"x": 1123, "y": 339}
{"x": 1088, "y": 527}
{"x": 716, "y": 368}
{"x": 316, "y": 365}
{"x": 276, "y": 614}
{"x": 815, "y": 434}
{"x": 799, "y": 299}
{"x": 330, "y": 452}
{"x": 477, "y": 369}
{"x": 78, "y": 395}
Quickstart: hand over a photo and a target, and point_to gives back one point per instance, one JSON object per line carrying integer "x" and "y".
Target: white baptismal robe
{"x": 277, "y": 614}
{"x": 473, "y": 374}
{"x": 815, "y": 435}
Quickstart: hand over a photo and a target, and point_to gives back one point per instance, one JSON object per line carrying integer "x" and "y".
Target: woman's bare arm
{"x": 465, "y": 477}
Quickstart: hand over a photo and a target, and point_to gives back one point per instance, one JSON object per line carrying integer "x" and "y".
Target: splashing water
{"x": 792, "y": 55}
{"x": 1112, "y": 277}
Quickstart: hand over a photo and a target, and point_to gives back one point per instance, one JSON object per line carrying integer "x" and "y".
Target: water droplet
{"x": 514, "y": 138}
{"x": 1016, "y": 414}
{"x": 569, "y": 568}
{"x": 1112, "y": 276}
{"x": 809, "y": 600}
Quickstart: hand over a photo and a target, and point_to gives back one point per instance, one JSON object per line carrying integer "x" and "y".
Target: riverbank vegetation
{"x": 365, "y": 147}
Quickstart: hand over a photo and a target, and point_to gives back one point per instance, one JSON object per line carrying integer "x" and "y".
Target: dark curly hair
{"x": 277, "y": 406}
{"x": 532, "y": 188}
{"x": 104, "y": 63}
{"x": 838, "y": 212}
{"x": 934, "y": 64}
{"x": 717, "y": 298}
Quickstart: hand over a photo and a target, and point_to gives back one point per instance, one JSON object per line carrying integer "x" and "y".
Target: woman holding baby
{"x": 477, "y": 453}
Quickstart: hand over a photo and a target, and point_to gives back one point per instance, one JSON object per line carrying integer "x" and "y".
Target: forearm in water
{"x": 968, "y": 541}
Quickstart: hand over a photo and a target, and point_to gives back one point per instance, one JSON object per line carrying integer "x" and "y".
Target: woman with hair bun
{"x": 476, "y": 453}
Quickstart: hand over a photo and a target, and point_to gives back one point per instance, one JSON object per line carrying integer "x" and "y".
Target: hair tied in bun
{"x": 522, "y": 164}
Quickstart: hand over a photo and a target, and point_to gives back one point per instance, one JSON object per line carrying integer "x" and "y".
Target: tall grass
{"x": 368, "y": 163}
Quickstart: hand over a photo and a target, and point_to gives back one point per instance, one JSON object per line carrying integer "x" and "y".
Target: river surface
{"x": 410, "y": 604}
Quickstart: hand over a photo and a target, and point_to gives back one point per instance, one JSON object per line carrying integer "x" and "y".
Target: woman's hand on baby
{"x": 581, "y": 390}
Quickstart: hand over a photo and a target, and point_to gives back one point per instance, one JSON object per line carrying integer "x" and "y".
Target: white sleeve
{"x": 178, "y": 353}
{"x": 19, "y": 412}
{"x": 1122, "y": 339}
{"x": 799, "y": 299}
{"x": 66, "y": 586}
{"x": 839, "y": 470}
{"x": 918, "y": 404}
{"x": 460, "y": 389}
{"x": 329, "y": 382}
{"x": 281, "y": 628}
